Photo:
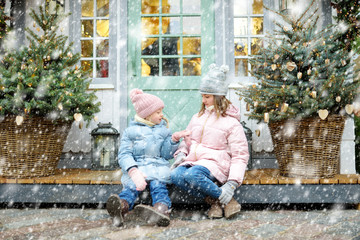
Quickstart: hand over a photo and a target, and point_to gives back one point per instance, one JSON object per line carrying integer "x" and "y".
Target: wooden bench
{"x": 259, "y": 186}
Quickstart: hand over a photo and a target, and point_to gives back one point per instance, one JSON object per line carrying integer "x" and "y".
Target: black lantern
{"x": 248, "y": 134}
{"x": 104, "y": 147}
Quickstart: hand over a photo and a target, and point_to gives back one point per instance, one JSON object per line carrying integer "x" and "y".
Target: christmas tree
{"x": 302, "y": 72}
{"x": 43, "y": 79}
{"x": 348, "y": 16}
{"x": 4, "y": 27}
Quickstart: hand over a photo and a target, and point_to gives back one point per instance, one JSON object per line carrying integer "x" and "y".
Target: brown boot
{"x": 215, "y": 210}
{"x": 158, "y": 214}
{"x": 232, "y": 208}
{"x": 117, "y": 208}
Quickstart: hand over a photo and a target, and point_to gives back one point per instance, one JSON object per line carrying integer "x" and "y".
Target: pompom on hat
{"x": 145, "y": 104}
{"x": 214, "y": 82}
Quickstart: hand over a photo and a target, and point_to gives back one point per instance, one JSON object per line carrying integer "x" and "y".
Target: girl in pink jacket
{"x": 211, "y": 162}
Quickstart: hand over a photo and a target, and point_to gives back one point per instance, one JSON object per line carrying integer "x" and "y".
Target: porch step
{"x": 259, "y": 186}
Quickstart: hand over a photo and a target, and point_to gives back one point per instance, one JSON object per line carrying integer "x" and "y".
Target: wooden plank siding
{"x": 252, "y": 177}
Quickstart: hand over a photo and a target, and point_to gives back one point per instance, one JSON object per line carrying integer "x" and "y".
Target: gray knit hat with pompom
{"x": 214, "y": 82}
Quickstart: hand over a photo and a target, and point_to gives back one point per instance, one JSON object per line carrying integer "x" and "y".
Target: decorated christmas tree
{"x": 4, "y": 27}
{"x": 44, "y": 79}
{"x": 348, "y": 18}
{"x": 302, "y": 72}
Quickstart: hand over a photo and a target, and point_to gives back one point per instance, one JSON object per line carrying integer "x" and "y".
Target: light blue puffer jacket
{"x": 148, "y": 148}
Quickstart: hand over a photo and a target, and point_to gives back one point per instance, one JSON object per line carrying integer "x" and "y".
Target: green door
{"x": 170, "y": 43}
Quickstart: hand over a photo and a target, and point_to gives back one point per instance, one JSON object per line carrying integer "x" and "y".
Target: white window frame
{"x": 75, "y": 36}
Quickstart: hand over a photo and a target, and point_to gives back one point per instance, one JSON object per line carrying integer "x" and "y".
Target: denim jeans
{"x": 158, "y": 192}
{"x": 195, "y": 180}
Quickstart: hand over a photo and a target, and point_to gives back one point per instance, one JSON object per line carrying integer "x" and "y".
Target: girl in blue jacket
{"x": 146, "y": 147}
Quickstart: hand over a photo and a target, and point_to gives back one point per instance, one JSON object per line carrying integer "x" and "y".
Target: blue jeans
{"x": 195, "y": 180}
{"x": 158, "y": 192}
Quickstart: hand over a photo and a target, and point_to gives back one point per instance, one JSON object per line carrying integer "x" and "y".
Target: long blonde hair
{"x": 221, "y": 104}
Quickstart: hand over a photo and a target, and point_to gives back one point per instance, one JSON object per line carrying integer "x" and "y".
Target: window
{"x": 248, "y": 33}
{"x": 95, "y": 37}
{"x": 170, "y": 38}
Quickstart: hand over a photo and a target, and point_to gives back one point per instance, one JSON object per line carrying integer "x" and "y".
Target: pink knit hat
{"x": 145, "y": 104}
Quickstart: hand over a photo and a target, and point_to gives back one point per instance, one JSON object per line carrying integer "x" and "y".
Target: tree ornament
{"x": 349, "y": 108}
{"x": 290, "y": 66}
{"x": 276, "y": 57}
{"x": 257, "y": 132}
{"x": 323, "y": 113}
{"x": 309, "y": 71}
{"x": 299, "y": 75}
{"x": 338, "y": 99}
{"x": 78, "y": 117}
{"x": 266, "y": 117}
{"x": 34, "y": 24}
{"x": 19, "y": 120}
{"x": 343, "y": 62}
{"x": 256, "y": 104}
{"x": 247, "y": 107}
{"x": 327, "y": 61}
{"x": 313, "y": 94}
{"x": 273, "y": 67}
{"x": 265, "y": 64}
{"x": 284, "y": 107}
{"x": 60, "y": 106}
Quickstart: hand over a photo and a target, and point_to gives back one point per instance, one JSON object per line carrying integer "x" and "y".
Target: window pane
{"x": 192, "y": 67}
{"x": 102, "y": 28}
{"x": 256, "y": 45}
{"x": 191, "y": 6}
{"x": 240, "y": 7}
{"x": 257, "y": 26}
{"x": 170, "y": 46}
{"x": 87, "y": 66}
{"x": 191, "y": 46}
{"x": 149, "y": 26}
{"x": 171, "y": 6}
{"x": 87, "y": 28}
{"x": 102, "y": 68}
{"x": 150, "y": 46}
{"x": 257, "y": 7}
{"x": 192, "y": 25}
{"x": 102, "y": 8}
{"x": 102, "y": 48}
{"x": 241, "y": 47}
{"x": 149, "y": 6}
{"x": 170, "y": 67}
{"x": 240, "y": 26}
{"x": 86, "y": 48}
{"x": 173, "y": 24}
{"x": 150, "y": 67}
{"x": 241, "y": 67}
{"x": 87, "y": 8}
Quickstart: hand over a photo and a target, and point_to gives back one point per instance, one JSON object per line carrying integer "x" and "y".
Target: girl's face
{"x": 156, "y": 117}
{"x": 208, "y": 100}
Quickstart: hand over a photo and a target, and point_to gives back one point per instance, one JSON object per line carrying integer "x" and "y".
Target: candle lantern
{"x": 104, "y": 147}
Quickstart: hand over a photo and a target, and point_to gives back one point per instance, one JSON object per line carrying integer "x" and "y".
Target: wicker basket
{"x": 308, "y": 148}
{"x": 31, "y": 149}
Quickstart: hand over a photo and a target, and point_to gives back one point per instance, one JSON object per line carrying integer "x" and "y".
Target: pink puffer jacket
{"x": 219, "y": 144}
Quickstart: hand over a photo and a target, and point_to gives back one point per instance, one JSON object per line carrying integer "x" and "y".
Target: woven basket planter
{"x": 308, "y": 148}
{"x": 31, "y": 149}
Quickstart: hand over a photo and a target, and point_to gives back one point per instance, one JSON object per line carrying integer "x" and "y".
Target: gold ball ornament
{"x": 299, "y": 75}
{"x": 338, "y": 99}
{"x": 273, "y": 67}
{"x": 327, "y": 61}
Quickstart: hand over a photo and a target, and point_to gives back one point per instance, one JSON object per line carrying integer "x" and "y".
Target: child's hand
{"x": 178, "y": 135}
{"x": 138, "y": 178}
{"x": 178, "y": 160}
